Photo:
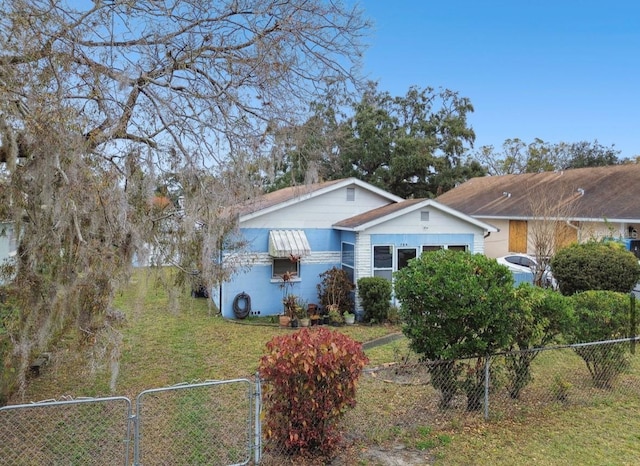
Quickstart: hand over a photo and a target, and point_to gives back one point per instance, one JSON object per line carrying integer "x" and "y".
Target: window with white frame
{"x": 383, "y": 262}
{"x": 348, "y": 260}
{"x": 404, "y": 256}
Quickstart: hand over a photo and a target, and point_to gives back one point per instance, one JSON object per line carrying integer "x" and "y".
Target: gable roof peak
{"x": 285, "y": 196}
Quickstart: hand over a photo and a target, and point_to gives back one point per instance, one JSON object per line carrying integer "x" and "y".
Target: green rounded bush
{"x": 456, "y": 305}
{"x": 375, "y": 296}
{"x": 600, "y": 316}
{"x": 595, "y": 266}
{"x": 541, "y": 317}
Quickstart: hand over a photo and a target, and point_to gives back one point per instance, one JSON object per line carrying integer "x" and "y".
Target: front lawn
{"x": 165, "y": 339}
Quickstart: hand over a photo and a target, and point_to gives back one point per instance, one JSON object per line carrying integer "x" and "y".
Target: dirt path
{"x": 381, "y": 341}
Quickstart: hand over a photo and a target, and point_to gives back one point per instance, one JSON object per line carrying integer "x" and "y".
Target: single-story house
{"x": 583, "y": 204}
{"x": 345, "y": 223}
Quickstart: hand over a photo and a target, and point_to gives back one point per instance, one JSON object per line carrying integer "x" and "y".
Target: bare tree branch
{"x": 107, "y": 106}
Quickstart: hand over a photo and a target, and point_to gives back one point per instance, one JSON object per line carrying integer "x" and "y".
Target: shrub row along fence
{"x": 399, "y": 400}
{"x": 221, "y": 422}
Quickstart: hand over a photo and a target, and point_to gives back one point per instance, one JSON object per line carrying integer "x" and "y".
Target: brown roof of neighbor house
{"x": 611, "y": 193}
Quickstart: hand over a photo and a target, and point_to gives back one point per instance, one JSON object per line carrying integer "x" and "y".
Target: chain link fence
{"x": 397, "y": 403}
{"x": 69, "y": 432}
{"x": 208, "y": 423}
{"x": 190, "y": 424}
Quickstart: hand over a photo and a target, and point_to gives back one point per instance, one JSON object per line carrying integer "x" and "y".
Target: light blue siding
{"x": 267, "y": 294}
{"x": 320, "y": 239}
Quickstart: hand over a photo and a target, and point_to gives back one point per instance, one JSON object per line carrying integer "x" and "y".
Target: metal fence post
{"x": 257, "y": 447}
{"x": 632, "y": 318}
{"x": 136, "y": 438}
{"x": 486, "y": 387}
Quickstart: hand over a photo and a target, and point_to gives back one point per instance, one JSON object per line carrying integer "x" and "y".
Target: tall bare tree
{"x": 550, "y": 228}
{"x": 98, "y": 98}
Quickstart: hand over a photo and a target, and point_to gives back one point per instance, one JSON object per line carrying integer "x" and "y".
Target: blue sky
{"x": 560, "y": 70}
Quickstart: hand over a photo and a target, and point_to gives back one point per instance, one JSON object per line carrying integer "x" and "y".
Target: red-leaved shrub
{"x": 310, "y": 381}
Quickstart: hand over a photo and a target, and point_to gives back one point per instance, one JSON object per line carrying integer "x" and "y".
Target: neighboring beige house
{"x": 582, "y": 204}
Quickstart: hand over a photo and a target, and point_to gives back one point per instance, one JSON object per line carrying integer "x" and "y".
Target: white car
{"x": 518, "y": 262}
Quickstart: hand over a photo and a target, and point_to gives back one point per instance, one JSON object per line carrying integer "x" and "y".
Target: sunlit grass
{"x": 594, "y": 435}
{"x": 168, "y": 338}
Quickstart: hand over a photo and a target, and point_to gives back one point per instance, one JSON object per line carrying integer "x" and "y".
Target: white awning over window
{"x": 285, "y": 243}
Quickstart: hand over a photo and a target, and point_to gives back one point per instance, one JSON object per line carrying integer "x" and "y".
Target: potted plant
{"x": 335, "y": 317}
{"x": 289, "y": 301}
{"x": 303, "y": 317}
{"x": 349, "y": 318}
{"x": 292, "y": 308}
{"x": 284, "y": 320}
{"x": 314, "y": 314}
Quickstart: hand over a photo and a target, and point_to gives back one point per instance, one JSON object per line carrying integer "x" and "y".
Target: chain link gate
{"x": 92, "y": 431}
{"x": 196, "y": 424}
{"x": 214, "y": 422}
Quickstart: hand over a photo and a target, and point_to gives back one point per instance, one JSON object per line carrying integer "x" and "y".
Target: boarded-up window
{"x": 518, "y": 236}
{"x": 565, "y": 235}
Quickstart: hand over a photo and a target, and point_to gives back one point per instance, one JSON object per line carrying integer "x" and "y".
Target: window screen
{"x": 284, "y": 265}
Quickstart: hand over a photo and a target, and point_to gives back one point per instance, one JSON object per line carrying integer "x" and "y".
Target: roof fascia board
{"x": 372, "y": 188}
{"x": 562, "y": 219}
{"x": 319, "y": 192}
{"x": 421, "y": 205}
